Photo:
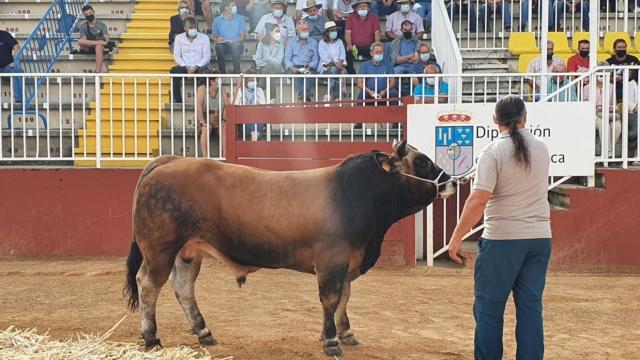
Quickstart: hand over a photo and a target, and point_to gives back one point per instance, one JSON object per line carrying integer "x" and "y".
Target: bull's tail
{"x": 134, "y": 261}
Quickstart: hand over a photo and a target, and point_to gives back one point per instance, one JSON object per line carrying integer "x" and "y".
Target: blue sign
{"x": 454, "y": 149}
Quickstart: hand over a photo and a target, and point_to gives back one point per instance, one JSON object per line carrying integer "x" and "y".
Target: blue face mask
{"x": 425, "y": 57}
{"x": 313, "y": 17}
{"x": 277, "y": 13}
{"x": 378, "y": 57}
{"x": 333, "y": 35}
{"x": 363, "y": 13}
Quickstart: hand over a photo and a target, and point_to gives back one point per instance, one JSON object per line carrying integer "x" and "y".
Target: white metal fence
{"x": 446, "y": 46}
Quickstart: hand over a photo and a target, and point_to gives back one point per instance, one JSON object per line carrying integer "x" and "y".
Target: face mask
{"x": 378, "y": 57}
{"x": 184, "y": 11}
{"x": 276, "y": 36}
{"x": 192, "y": 33}
{"x": 621, "y": 53}
{"x": 584, "y": 53}
{"x": 363, "y": 13}
{"x": 234, "y": 9}
{"x": 277, "y": 13}
{"x": 549, "y": 56}
{"x": 425, "y": 57}
{"x": 431, "y": 82}
{"x": 407, "y": 35}
{"x": 333, "y": 35}
{"x": 90, "y": 18}
{"x": 405, "y": 8}
{"x": 313, "y": 17}
{"x": 304, "y": 35}
{"x": 251, "y": 85}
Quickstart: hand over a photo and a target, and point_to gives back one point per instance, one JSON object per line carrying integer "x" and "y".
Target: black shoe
{"x": 357, "y": 126}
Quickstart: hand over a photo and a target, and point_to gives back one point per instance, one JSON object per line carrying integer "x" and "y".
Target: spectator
{"x": 301, "y": 57}
{"x": 278, "y": 17}
{"x": 176, "y": 22}
{"x": 556, "y": 82}
{"x": 255, "y": 10}
{"x": 340, "y": 10}
{"x": 605, "y": 103}
{"x": 460, "y": 7}
{"x": 492, "y": 7}
{"x": 301, "y": 5}
{"x": 536, "y": 66}
{"x": 423, "y": 9}
{"x": 94, "y": 37}
{"x": 269, "y": 56}
{"x": 404, "y": 51}
{"x": 377, "y": 88}
{"x": 8, "y": 47}
{"x": 211, "y": 100}
{"x": 632, "y": 126}
{"x": 202, "y": 8}
{"x": 383, "y": 7}
{"x": 556, "y": 11}
{"x": 314, "y": 19}
{"x": 580, "y": 61}
{"x": 247, "y": 92}
{"x": 361, "y": 30}
{"x": 559, "y": 8}
{"x": 393, "y": 28}
{"x": 426, "y": 57}
{"x": 333, "y": 59}
{"x": 228, "y": 35}
{"x": 425, "y": 87}
{"x": 622, "y": 58}
{"x": 192, "y": 54}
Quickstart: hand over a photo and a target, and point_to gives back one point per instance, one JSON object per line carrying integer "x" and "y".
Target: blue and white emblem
{"x": 454, "y": 149}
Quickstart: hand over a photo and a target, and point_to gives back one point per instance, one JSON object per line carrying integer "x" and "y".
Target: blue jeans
{"x": 486, "y": 15}
{"x": 306, "y": 83}
{"x": 17, "y": 82}
{"x": 236, "y": 51}
{"x": 470, "y": 9}
{"x": 425, "y": 11}
{"x": 392, "y": 93}
{"x": 503, "y": 266}
{"x": 556, "y": 11}
{"x": 334, "y": 84}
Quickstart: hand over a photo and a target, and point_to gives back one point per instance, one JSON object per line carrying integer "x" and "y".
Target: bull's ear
{"x": 386, "y": 162}
{"x": 400, "y": 149}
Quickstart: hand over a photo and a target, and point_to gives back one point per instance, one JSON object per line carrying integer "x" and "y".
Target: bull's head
{"x": 408, "y": 160}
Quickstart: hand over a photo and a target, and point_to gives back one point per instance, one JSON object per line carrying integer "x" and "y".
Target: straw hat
{"x": 330, "y": 25}
{"x": 355, "y": 3}
{"x": 311, "y": 4}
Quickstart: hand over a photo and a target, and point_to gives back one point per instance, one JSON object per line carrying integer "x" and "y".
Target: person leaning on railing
{"x": 192, "y": 53}
{"x": 211, "y": 101}
{"x": 94, "y": 37}
{"x": 8, "y": 47}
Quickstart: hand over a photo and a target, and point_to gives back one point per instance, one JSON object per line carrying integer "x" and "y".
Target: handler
{"x": 511, "y": 188}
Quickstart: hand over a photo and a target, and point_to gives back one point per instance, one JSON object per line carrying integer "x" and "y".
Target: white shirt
{"x": 192, "y": 53}
{"x": 246, "y": 96}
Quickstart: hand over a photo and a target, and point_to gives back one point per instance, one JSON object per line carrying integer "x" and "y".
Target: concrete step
{"x": 485, "y": 68}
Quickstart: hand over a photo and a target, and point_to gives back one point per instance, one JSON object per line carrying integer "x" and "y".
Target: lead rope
{"x": 460, "y": 179}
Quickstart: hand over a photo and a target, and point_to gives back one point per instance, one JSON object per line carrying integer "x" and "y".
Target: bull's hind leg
{"x": 150, "y": 279}
{"x": 183, "y": 278}
{"x": 330, "y": 280}
{"x": 342, "y": 320}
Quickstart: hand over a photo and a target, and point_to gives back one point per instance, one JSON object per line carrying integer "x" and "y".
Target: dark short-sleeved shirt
{"x": 7, "y": 42}
{"x": 362, "y": 30}
{"x": 98, "y": 32}
{"x": 368, "y": 67}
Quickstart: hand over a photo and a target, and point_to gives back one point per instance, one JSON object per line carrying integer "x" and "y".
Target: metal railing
{"x": 446, "y": 46}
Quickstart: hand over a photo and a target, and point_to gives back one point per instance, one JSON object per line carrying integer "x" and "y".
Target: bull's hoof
{"x": 349, "y": 340}
{"x": 332, "y": 350}
{"x": 152, "y": 344}
{"x": 207, "y": 340}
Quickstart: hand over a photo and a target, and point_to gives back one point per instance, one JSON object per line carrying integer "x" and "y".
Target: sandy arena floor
{"x": 396, "y": 313}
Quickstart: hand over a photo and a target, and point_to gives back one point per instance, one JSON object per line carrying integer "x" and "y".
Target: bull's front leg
{"x": 330, "y": 280}
{"x": 342, "y": 319}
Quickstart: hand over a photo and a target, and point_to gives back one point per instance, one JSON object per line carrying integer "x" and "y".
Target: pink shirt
{"x": 599, "y": 96}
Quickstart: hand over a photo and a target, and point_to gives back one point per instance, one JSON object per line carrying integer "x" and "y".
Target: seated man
{"x": 536, "y": 66}
{"x": 303, "y": 5}
{"x": 393, "y": 28}
{"x": 176, "y": 22}
{"x": 301, "y": 57}
{"x": 8, "y": 47}
{"x": 228, "y": 35}
{"x": 377, "y": 87}
{"x": 580, "y": 61}
{"x": 426, "y": 57}
{"x": 404, "y": 51}
{"x": 314, "y": 19}
{"x": 425, "y": 87}
{"x": 495, "y": 7}
{"x": 278, "y": 17}
{"x": 192, "y": 54}
{"x": 94, "y": 37}
{"x": 559, "y": 82}
{"x": 361, "y": 30}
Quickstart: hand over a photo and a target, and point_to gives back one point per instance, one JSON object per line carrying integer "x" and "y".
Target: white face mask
{"x": 431, "y": 81}
{"x": 193, "y": 32}
{"x": 276, "y": 36}
{"x": 405, "y": 8}
{"x": 251, "y": 84}
{"x": 184, "y": 11}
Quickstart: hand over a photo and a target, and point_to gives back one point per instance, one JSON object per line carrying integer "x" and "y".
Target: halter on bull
{"x": 329, "y": 222}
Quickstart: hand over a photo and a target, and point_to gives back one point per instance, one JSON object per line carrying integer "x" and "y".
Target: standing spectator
{"x": 176, "y": 22}
{"x": 494, "y": 7}
{"x": 580, "y": 61}
{"x": 383, "y": 7}
{"x": 211, "y": 100}
{"x": 228, "y": 35}
{"x": 269, "y": 56}
{"x": 247, "y": 92}
{"x": 463, "y": 7}
{"x": 314, "y": 19}
{"x": 377, "y": 87}
{"x": 8, "y": 47}
{"x": 622, "y": 58}
{"x": 393, "y": 28}
{"x": 362, "y": 29}
{"x": 278, "y": 17}
{"x": 536, "y": 66}
{"x": 340, "y": 10}
{"x": 301, "y": 57}
{"x": 404, "y": 51}
{"x": 302, "y": 5}
{"x": 423, "y": 9}
{"x": 192, "y": 54}
{"x": 425, "y": 87}
{"x": 569, "y": 93}
{"x": 94, "y": 37}
{"x": 333, "y": 59}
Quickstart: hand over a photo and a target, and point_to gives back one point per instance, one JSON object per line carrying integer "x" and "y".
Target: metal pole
{"x": 98, "y": 125}
{"x": 594, "y": 26}
{"x": 543, "y": 47}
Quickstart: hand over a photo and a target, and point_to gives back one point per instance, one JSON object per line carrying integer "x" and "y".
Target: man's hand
{"x": 217, "y": 38}
{"x": 191, "y": 69}
{"x": 414, "y": 58}
{"x": 294, "y": 70}
{"x": 454, "y": 248}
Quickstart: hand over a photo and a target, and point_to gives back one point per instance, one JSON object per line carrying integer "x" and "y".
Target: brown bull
{"x": 329, "y": 222}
